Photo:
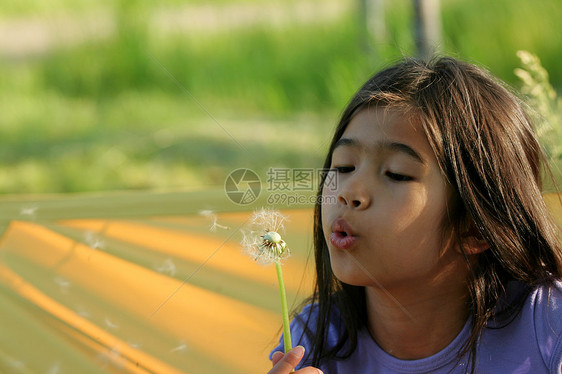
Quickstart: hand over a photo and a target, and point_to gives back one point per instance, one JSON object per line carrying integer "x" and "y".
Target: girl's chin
{"x": 347, "y": 269}
{"x": 352, "y": 277}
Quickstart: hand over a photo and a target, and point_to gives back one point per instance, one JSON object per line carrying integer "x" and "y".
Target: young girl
{"x": 440, "y": 255}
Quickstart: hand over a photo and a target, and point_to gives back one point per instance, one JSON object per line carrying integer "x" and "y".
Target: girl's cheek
{"x": 328, "y": 204}
{"x": 329, "y": 192}
{"x": 329, "y": 199}
{"x": 330, "y": 186}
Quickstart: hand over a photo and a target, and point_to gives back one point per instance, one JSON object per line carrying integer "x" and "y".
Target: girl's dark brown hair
{"x": 487, "y": 151}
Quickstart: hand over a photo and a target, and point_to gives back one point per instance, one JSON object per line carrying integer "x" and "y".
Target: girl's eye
{"x": 344, "y": 169}
{"x": 398, "y": 177}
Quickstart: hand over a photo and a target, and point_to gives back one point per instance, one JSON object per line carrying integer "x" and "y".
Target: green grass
{"x": 132, "y": 111}
{"x": 490, "y": 32}
{"x": 108, "y": 122}
{"x": 260, "y": 70}
{"x": 17, "y": 8}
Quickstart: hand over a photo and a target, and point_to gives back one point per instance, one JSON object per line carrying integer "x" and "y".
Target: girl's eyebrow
{"x": 346, "y": 142}
{"x": 383, "y": 145}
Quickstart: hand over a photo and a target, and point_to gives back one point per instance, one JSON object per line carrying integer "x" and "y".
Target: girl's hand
{"x": 284, "y": 363}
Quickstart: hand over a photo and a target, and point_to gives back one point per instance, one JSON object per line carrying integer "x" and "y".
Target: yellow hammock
{"x": 139, "y": 283}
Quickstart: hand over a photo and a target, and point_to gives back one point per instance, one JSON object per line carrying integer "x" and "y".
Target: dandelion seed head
{"x": 268, "y": 219}
{"x": 262, "y": 239}
{"x": 272, "y": 236}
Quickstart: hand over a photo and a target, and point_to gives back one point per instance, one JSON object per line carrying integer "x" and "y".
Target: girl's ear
{"x": 473, "y": 242}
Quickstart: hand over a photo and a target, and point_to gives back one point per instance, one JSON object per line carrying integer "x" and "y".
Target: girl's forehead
{"x": 376, "y": 129}
{"x": 375, "y": 124}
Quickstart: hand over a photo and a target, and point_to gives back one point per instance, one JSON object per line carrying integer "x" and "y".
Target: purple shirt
{"x": 531, "y": 343}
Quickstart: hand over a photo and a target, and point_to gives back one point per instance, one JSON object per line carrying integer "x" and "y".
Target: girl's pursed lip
{"x": 341, "y": 240}
{"x": 340, "y": 225}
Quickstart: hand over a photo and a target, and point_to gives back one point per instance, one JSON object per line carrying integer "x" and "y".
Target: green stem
{"x": 284, "y": 309}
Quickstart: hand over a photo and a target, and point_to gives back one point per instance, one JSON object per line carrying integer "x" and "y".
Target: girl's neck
{"x": 417, "y": 322}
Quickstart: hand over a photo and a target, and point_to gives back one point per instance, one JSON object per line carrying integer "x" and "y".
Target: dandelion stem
{"x": 284, "y": 309}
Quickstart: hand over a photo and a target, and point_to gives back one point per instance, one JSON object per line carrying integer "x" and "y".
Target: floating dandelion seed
{"x": 182, "y": 347}
{"x": 266, "y": 246}
{"x": 29, "y": 210}
{"x": 63, "y": 284}
{"x": 55, "y": 369}
{"x": 110, "y": 324}
{"x": 214, "y": 225}
{"x": 93, "y": 241}
{"x": 82, "y": 312}
{"x": 113, "y": 357}
{"x": 16, "y": 364}
{"x": 206, "y": 213}
{"x": 134, "y": 345}
{"x": 167, "y": 267}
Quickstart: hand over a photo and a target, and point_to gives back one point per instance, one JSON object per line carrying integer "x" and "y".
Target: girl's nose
{"x": 354, "y": 195}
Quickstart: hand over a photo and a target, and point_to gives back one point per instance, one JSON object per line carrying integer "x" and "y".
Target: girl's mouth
{"x": 342, "y": 235}
{"x": 341, "y": 240}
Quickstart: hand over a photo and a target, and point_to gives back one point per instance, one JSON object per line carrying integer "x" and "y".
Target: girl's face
{"x": 383, "y": 217}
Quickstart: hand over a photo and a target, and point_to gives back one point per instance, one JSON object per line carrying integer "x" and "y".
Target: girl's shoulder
{"x": 533, "y": 335}
{"x": 543, "y": 308}
{"x": 548, "y": 297}
{"x": 545, "y": 303}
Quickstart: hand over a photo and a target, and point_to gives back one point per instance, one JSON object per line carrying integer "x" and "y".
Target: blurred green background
{"x": 167, "y": 98}
{"x": 114, "y": 95}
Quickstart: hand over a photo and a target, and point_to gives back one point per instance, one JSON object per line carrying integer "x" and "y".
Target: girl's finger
{"x": 276, "y": 357}
{"x": 287, "y": 363}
